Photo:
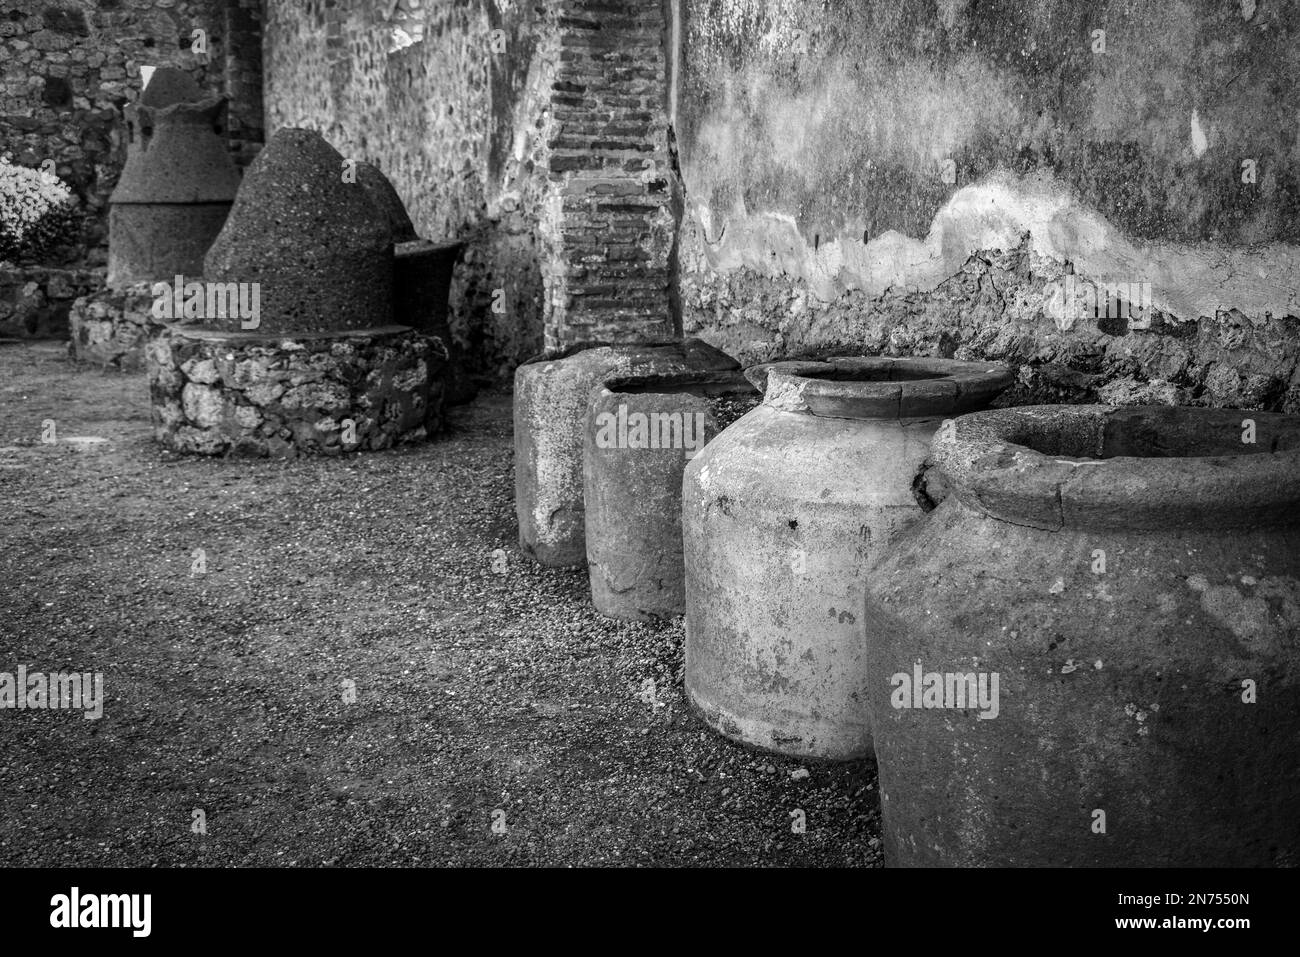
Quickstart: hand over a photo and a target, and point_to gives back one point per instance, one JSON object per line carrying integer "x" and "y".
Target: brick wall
{"x": 610, "y": 217}
{"x": 69, "y": 66}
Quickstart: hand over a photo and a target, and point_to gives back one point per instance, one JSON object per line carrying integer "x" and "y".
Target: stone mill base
{"x": 111, "y": 327}
{"x": 324, "y": 393}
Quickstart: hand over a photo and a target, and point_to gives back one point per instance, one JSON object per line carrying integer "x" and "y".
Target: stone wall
{"x": 937, "y": 177}
{"x": 35, "y": 301}
{"x": 112, "y": 327}
{"x": 71, "y": 65}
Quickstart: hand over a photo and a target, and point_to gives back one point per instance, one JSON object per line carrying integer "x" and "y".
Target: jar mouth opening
{"x": 1142, "y": 467}
{"x": 688, "y": 350}
{"x": 704, "y": 384}
{"x": 878, "y": 387}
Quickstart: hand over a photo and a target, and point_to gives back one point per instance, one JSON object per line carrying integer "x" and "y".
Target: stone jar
{"x": 781, "y": 515}
{"x": 1131, "y": 577}
{"x": 641, "y": 433}
{"x": 550, "y": 410}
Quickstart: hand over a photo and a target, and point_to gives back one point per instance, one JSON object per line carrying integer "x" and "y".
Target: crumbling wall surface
{"x": 977, "y": 180}
{"x": 454, "y": 119}
{"x": 69, "y": 66}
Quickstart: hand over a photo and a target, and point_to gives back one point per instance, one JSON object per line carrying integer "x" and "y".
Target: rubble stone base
{"x": 323, "y": 393}
{"x": 35, "y": 300}
{"x": 111, "y": 327}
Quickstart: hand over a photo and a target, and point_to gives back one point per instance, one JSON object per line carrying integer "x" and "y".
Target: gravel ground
{"x": 486, "y": 688}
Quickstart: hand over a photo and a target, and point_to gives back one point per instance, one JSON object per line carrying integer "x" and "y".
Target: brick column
{"x": 609, "y": 223}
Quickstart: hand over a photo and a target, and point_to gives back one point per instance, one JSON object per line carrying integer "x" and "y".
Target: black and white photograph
{"x": 767, "y": 441}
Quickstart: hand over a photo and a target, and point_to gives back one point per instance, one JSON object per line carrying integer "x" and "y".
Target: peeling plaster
{"x": 911, "y": 177}
{"x": 1187, "y": 281}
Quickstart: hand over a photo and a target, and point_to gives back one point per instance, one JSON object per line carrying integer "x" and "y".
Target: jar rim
{"x": 1135, "y": 467}
{"x": 707, "y": 382}
{"x": 880, "y": 387}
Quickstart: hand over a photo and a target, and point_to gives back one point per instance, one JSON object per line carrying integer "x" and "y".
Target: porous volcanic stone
{"x": 1131, "y": 576}
{"x": 384, "y": 195}
{"x": 321, "y": 250}
{"x": 551, "y": 396}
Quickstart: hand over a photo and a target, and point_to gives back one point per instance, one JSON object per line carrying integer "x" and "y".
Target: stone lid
{"x": 177, "y": 154}
{"x": 321, "y": 251}
{"x": 168, "y": 86}
{"x": 859, "y": 387}
{"x": 1137, "y": 467}
{"x": 384, "y": 196}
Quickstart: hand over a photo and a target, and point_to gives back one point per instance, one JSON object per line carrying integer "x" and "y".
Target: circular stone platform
{"x": 315, "y": 393}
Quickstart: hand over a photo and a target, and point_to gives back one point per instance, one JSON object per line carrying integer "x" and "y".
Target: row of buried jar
{"x": 1070, "y": 634}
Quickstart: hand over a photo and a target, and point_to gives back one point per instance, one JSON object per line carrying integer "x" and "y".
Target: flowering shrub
{"x": 37, "y": 212}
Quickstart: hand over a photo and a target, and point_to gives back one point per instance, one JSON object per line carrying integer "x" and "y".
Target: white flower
{"x": 26, "y": 197}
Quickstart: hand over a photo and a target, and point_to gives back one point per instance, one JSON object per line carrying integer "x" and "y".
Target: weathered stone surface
{"x": 640, "y": 434}
{"x": 157, "y": 242}
{"x": 201, "y": 404}
{"x": 112, "y": 327}
{"x": 551, "y": 397}
{"x": 35, "y": 301}
{"x": 782, "y": 516}
{"x": 845, "y": 118}
{"x": 1131, "y": 578}
{"x": 1000, "y": 306}
{"x": 266, "y": 395}
{"x": 321, "y": 251}
{"x": 878, "y": 177}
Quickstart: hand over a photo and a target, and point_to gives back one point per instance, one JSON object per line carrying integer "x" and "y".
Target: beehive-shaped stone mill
{"x": 289, "y": 345}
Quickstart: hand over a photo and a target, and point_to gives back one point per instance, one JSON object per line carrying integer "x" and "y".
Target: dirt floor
{"x": 486, "y": 688}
